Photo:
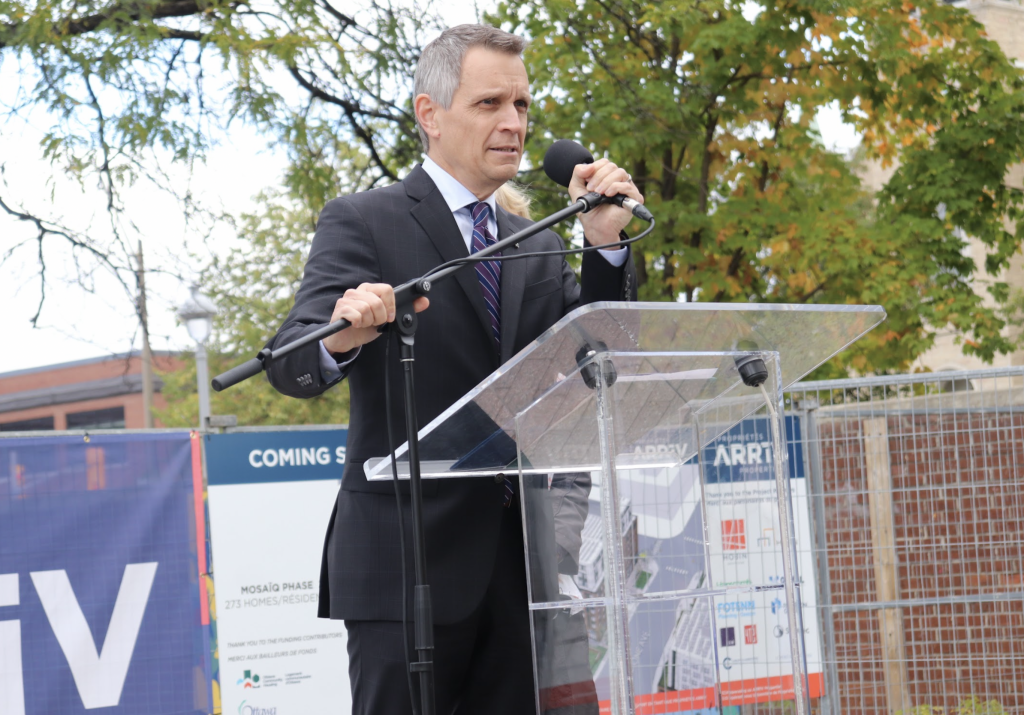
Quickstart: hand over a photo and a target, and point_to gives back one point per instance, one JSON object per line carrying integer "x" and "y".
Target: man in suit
{"x": 472, "y": 99}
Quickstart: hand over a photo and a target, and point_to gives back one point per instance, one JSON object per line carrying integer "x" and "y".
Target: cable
{"x": 566, "y": 252}
{"x": 401, "y": 528}
{"x": 788, "y": 562}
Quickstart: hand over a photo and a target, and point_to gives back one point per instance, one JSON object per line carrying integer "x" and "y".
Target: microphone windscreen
{"x": 561, "y": 159}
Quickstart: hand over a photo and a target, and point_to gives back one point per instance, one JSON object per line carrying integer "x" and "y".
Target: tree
{"x": 715, "y": 104}
{"x": 254, "y": 287}
{"x": 133, "y": 86}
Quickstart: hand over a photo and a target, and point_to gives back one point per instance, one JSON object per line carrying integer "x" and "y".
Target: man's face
{"x": 479, "y": 140}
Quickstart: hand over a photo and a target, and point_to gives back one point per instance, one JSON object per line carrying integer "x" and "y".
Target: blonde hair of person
{"x": 514, "y": 199}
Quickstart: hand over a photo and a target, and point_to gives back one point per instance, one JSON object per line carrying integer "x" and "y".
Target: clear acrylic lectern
{"x": 657, "y": 512}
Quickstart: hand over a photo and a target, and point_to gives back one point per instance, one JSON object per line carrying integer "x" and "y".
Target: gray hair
{"x": 440, "y": 67}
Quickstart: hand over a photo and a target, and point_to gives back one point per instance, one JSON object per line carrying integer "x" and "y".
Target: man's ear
{"x": 426, "y": 113}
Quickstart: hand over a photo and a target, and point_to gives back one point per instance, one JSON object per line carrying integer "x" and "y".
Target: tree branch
{"x": 347, "y": 105}
{"x": 345, "y": 20}
{"x": 350, "y": 109}
{"x": 42, "y": 231}
{"x": 122, "y": 15}
{"x": 174, "y": 34}
{"x": 169, "y": 8}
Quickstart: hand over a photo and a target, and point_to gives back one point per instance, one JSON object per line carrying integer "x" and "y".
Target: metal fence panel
{"x": 918, "y": 511}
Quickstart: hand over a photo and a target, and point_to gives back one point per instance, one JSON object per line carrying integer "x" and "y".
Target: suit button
{"x": 499, "y": 478}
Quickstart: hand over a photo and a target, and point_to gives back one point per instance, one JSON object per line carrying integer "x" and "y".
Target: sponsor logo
{"x": 246, "y": 709}
{"x": 734, "y": 557}
{"x": 734, "y": 536}
{"x": 778, "y": 606}
{"x": 750, "y": 634}
{"x": 249, "y": 680}
{"x": 735, "y": 608}
{"x": 656, "y": 451}
{"x": 728, "y": 663}
{"x": 779, "y": 631}
{"x": 728, "y": 636}
{"x": 736, "y": 454}
{"x": 768, "y": 539}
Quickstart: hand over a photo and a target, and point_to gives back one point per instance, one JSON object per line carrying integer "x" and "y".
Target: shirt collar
{"x": 455, "y": 194}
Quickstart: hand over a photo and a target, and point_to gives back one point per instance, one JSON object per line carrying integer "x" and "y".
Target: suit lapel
{"x": 436, "y": 220}
{"x": 513, "y": 280}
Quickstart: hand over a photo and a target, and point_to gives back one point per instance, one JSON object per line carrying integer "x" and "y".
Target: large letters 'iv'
{"x": 99, "y": 676}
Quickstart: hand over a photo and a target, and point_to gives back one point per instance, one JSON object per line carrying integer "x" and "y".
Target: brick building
{"x": 97, "y": 393}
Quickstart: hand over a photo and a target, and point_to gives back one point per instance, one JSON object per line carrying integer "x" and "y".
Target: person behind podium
{"x": 471, "y": 103}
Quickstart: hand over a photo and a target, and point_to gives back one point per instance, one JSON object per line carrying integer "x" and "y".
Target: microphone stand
{"x": 406, "y": 323}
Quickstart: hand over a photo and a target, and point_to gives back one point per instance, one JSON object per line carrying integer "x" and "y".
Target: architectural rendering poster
{"x": 682, "y": 646}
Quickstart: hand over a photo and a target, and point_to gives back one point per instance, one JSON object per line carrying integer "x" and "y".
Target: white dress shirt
{"x": 458, "y": 198}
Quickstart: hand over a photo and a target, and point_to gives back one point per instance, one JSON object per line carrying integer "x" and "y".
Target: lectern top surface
{"x": 689, "y": 347}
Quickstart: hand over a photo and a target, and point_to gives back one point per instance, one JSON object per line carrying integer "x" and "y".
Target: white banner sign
{"x": 267, "y": 526}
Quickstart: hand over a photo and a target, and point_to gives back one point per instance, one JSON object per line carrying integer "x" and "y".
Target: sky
{"x": 77, "y": 323}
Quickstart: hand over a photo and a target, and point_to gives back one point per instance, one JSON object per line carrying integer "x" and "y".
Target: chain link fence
{"x": 917, "y": 511}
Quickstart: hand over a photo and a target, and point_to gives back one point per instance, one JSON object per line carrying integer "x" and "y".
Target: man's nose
{"x": 509, "y": 119}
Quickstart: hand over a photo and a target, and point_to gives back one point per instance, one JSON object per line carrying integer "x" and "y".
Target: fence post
{"x": 830, "y": 701}
{"x": 883, "y": 541}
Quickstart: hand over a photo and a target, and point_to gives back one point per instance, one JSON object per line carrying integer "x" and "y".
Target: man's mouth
{"x": 506, "y": 149}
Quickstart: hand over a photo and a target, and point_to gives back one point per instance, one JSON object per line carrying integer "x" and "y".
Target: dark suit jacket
{"x": 392, "y": 235}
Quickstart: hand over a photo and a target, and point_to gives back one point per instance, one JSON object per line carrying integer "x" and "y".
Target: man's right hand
{"x": 367, "y": 307}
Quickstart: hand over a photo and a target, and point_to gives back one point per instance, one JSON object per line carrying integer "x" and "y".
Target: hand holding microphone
{"x": 598, "y": 184}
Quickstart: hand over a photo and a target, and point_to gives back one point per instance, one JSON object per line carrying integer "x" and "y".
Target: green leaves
{"x": 130, "y": 86}
{"x": 254, "y": 287}
{"x": 710, "y": 106}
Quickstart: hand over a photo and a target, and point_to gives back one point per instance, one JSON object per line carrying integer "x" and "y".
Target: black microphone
{"x": 561, "y": 159}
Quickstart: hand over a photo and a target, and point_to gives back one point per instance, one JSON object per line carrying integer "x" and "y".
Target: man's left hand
{"x": 603, "y": 224}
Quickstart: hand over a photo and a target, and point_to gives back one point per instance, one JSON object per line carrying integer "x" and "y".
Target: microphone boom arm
{"x": 405, "y": 293}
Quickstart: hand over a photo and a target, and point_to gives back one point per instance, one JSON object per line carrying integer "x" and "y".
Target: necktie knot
{"x": 481, "y": 211}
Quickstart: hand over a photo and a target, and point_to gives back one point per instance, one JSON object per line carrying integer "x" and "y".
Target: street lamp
{"x": 197, "y": 313}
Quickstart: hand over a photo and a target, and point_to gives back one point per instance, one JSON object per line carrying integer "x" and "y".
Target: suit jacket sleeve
{"x": 342, "y": 256}
{"x": 603, "y": 281}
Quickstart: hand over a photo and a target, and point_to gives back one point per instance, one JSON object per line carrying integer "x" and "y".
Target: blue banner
{"x": 279, "y": 456}
{"x": 100, "y": 600}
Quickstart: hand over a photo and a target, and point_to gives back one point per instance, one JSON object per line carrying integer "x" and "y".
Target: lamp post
{"x": 197, "y": 313}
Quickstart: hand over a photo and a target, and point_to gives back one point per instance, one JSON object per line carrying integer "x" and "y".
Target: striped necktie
{"x": 488, "y": 272}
